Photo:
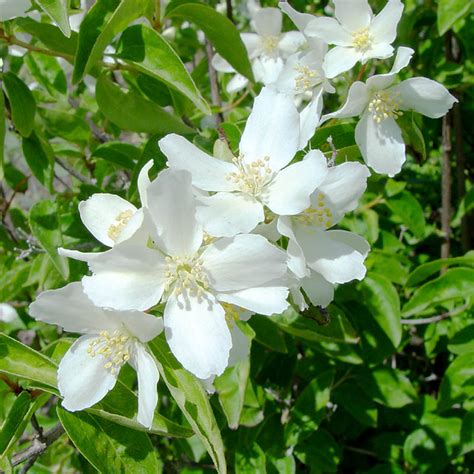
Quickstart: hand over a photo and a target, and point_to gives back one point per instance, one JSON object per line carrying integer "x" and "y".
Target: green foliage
{"x": 382, "y": 382}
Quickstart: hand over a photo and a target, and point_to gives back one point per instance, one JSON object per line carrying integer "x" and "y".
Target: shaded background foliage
{"x": 383, "y": 383}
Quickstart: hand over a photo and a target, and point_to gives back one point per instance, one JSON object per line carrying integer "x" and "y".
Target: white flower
{"x": 259, "y": 176}
{"x": 13, "y": 8}
{"x": 357, "y": 34}
{"x": 8, "y": 313}
{"x": 111, "y": 219}
{"x": 319, "y": 257}
{"x": 267, "y": 49}
{"x": 191, "y": 277}
{"x": 110, "y": 339}
{"x": 379, "y": 104}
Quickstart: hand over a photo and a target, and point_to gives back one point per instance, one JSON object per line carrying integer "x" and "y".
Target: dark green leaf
{"x": 22, "y": 103}
{"x": 220, "y": 31}
{"x": 408, "y": 209}
{"x": 57, "y": 11}
{"x": 39, "y": 156}
{"x": 148, "y": 52}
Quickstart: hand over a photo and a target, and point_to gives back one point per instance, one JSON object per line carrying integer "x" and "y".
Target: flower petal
{"x": 244, "y": 261}
{"x": 300, "y": 20}
{"x": 333, "y": 259}
{"x": 310, "y": 117}
{"x": 352, "y": 240}
{"x": 381, "y": 144}
{"x": 101, "y": 215}
{"x": 145, "y": 327}
{"x": 197, "y": 333}
{"x": 272, "y": 130}
{"x": 236, "y": 84}
{"x": 148, "y": 376}
{"x": 296, "y": 260}
{"x": 240, "y": 346}
{"x": 267, "y": 22}
{"x": 128, "y": 277}
{"x": 345, "y": 184}
{"x": 8, "y": 313}
{"x": 220, "y": 64}
{"x": 425, "y": 96}
{"x": 229, "y": 214}
{"x": 76, "y": 255}
{"x": 354, "y": 15}
{"x": 172, "y": 207}
{"x": 319, "y": 291}
{"x": 290, "y": 42}
{"x": 208, "y": 173}
{"x": 378, "y": 51}
{"x": 70, "y": 308}
{"x": 340, "y": 59}
{"x": 83, "y": 380}
{"x": 288, "y": 193}
{"x": 329, "y": 30}
{"x": 267, "y": 70}
{"x": 384, "y": 26}
{"x": 265, "y": 300}
{"x": 143, "y": 182}
{"x": 357, "y": 101}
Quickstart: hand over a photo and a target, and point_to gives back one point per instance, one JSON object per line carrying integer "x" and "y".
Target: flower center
{"x": 185, "y": 274}
{"x": 306, "y": 79}
{"x": 270, "y": 45}
{"x": 362, "y": 40}
{"x": 319, "y": 216}
{"x": 252, "y": 177}
{"x": 120, "y": 222}
{"x": 385, "y": 104}
{"x": 114, "y": 348}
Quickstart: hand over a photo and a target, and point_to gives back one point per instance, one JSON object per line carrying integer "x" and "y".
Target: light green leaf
{"x": 309, "y": 408}
{"x": 387, "y": 386}
{"x": 450, "y": 11}
{"x": 3, "y": 130}
{"x": 220, "y": 31}
{"x": 467, "y": 433}
{"x": 119, "y": 153}
{"x": 44, "y": 223}
{"x": 131, "y": 111}
{"x": 455, "y": 284}
{"x": 408, "y": 209}
{"x": 148, "y": 52}
{"x": 14, "y": 420}
{"x": 381, "y": 297}
{"x": 424, "y": 271}
{"x": 457, "y": 385}
{"x": 22, "y": 361}
{"x": 103, "y": 21}
{"x": 192, "y": 400}
{"x": 22, "y": 103}
{"x": 57, "y": 11}
{"x": 108, "y": 447}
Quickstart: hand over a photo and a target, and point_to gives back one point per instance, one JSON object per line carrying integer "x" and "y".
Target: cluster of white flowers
{"x": 218, "y": 239}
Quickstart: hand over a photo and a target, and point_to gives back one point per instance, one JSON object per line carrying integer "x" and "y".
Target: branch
{"x": 37, "y": 448}
{"x": 72, "y": 171}
{"x": 434, "y": 319}
{"x": 216, "y": 98}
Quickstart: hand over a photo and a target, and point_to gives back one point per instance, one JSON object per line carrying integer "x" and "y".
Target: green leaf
{"x": 467, "y": 433}
{"x": 309, "y": 408}
{"x": 268, "y": 334}
{"x": 44, "y": 223}
{"x": 457, "y": 385}
{"x": 320, "y": 452}
{"x": 14, "y": 420}
{"x": 408, "y": 209}
{"x": 220, "y": 31}
{"x": 22, "y": 103}
{"x": 148, "y": 52}
{"x": 3, "y": 130}
{"x": 387, "y": 386}
{"x": 424, "y": 271}
{"x": 463, "y": 341}
{"x": 22, "y": 361}
{"x": 357, "y": 403}
{"x": 57, "y": 11}
{"x": 450, "y": 11}
{"x": 109, "y": 448}
{"x": 455, "y": 284}
{"x": 39, "y": 156}
{"x": 131, "y": 111}
{"x": 381, "y": 297}
{"x": 192, "y": 400}
{"x": 339, "y": 328}
{"x": 250, "y": 460}
{"x": 103, "y": 21}
{"x": 119, "y": 153}
{"x": 47, "y": 71}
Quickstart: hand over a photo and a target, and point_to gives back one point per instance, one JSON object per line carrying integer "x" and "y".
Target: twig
{"x": 361, "y": 72}
{"x": 72, "y": 171}
{"x": 230, "y": 14}
{"x": 361, "y": 451}
{"x": 37, "y": 448}
{"x": 216, "y": 98}
{"x": 434, "y": 319}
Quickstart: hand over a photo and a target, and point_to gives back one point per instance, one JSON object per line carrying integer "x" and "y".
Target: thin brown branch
{"x": 434, "y": 319}
{"x": 215, "y": 95}
{"x": 37, "y": 448}
{"x": 72, "y": 171}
